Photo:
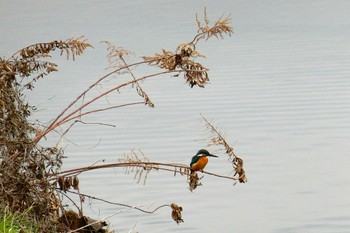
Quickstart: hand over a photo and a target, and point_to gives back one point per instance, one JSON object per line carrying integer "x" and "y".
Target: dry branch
{"x": 175, "y": 214}
{"x": 175, "y": 168}
{"x": 116, "y": 60}
{"x": 217, "y": 138}
{"x": 119, "y": 204}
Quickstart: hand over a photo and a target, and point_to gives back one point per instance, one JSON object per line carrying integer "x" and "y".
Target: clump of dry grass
{"x": 24, "y": 165}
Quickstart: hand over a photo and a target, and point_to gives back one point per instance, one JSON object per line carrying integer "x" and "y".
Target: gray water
{"x": 279, "y": 89}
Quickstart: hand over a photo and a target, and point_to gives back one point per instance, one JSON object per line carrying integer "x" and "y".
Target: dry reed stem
{"x": 119, "y": 204}
{"x": 144, "y": 165}
{"x": 176, "y": 209}
{"x": 70, "y": 116}
{"x": 218, "y": 139}
{"x": 116, "y": 59}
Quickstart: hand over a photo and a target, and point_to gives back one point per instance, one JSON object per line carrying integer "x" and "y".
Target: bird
{"x": 200, "y": 160}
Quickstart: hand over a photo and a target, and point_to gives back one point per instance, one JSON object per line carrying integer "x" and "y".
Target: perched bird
{"x": 200, "y": 160}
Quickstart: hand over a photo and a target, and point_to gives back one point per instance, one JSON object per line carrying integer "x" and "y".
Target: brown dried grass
{"x": 25, "y": 166}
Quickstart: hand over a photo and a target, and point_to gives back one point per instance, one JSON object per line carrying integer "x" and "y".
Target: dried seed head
{"x": 61, "y": 183}
{"x": 76, "y": 182}
{"x": 194, "y": 181}
{"x": 68, "y": 182}
{"x": 176, "y": 213}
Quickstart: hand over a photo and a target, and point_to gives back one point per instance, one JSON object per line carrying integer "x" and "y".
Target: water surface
{"x": 279, "y": 89}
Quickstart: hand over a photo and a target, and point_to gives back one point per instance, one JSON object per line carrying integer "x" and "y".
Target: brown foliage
{"x": 24, "y": 165}
{"x": 27, "y": 63}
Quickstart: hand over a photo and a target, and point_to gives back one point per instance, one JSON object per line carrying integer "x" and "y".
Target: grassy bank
{"x": 16, "y": 222}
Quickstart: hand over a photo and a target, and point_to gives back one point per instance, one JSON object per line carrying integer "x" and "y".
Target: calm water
{"x": 280, "y": 89}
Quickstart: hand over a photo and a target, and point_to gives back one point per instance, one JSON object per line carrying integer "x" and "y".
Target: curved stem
{"x": 57, "y": 123}
{"x": 120, "y": 204}
{"x": 145, "y": 165}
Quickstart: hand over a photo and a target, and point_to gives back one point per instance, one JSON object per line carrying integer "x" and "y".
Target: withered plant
{"x": 25, "y": 166}
{"x": 183, "y": 60}
{"x": 30, "y": 175}
{"x": 217, "y": 139}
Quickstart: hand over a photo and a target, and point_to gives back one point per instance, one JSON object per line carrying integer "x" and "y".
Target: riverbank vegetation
{"x": 14, "y": 222}
{"x": 32, "y": 184}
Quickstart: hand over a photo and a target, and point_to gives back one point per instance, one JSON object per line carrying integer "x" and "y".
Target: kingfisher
{"x": 200, "y": 160}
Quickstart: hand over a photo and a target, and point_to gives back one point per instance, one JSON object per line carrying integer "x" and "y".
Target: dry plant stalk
{"x": 218, "y": 139}
{"x": 136, "y": 162}
{"x": 175, "y": 209}
{"x": 183, "y": 60}
{"x": 116, "y": 57}
{"x": 185, "y": 55}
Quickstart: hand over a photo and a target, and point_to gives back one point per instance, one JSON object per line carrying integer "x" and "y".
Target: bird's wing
{"x": 194, "y": 160}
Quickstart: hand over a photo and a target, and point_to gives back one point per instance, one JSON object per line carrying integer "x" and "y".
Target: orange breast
{"x": 201, "y": 163}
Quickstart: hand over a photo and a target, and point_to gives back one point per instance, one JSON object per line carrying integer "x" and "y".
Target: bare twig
{"x": 70, "y": 116}
{"x": 80, "y": 209}
{"x": 53, "y": 123}
{"x": 116, "y": 59}
{"x": 119, "y": 204}
{"x": 99, "y": 110}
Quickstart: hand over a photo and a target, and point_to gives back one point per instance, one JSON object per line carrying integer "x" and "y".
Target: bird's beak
{"x": 213, "y": 155}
